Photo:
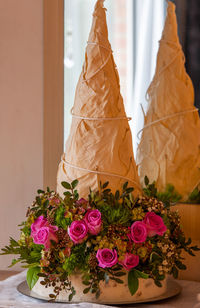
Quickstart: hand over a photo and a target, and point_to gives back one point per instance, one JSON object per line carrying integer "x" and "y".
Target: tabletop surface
{"x": 6, "y": 274}
{"x": 10, "y": 297}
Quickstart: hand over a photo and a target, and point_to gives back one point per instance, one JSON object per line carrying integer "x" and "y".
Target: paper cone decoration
{"x": 169, "y": 150}
{"x": 99, "y": 147}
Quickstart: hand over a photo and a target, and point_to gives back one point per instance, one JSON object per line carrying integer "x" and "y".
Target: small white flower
{"x": 165, "y": 262}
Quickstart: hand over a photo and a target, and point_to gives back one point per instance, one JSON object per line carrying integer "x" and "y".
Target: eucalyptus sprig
{"x": 169, "y": 197}
{"x": 194, "y": 197}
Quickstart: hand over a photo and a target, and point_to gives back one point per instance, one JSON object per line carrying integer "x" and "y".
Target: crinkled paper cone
{"x": 169, "y": 150}
{"x": 98, "y": 146}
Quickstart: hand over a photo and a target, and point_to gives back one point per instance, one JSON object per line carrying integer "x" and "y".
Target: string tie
{"x": 100, "y": 118}
{"x": 100, "y": 172}
{"x": 166, "y": 118}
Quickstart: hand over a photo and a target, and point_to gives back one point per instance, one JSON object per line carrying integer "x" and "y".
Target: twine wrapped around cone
{"x": 99, "y": 147}
{"x": 169, "y": 150}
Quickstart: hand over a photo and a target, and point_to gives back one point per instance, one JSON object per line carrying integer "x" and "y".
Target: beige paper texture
{"x": 169, "y": 150}
{"x": 99, "y": 148}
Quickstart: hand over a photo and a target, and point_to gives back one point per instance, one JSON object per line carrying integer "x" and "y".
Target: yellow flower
{"x": 68, "y": 215}
{"x": 22, "y": 240}
{"x": 138, "y": 213}
{"x": 142, "y": 251}
{"x": 121, "y": 257}
{"x": 30, "y": 220}
{"x": 111, "y": 246}
{"x": 61, "y": 256}
{"x": 44, "y": 263}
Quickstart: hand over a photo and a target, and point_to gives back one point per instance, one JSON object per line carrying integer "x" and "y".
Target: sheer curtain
{"x": 144, "y": 27}
{"x": 135, "y": 28}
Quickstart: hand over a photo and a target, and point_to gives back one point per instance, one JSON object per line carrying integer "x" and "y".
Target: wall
{"x": 21, "y": 113}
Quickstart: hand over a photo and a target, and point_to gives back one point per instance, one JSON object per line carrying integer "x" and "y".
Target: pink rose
{"x": 38, "y": 223}
{"x": 78, "y": 231}
{"x": 129, "y": 261}
{"x": 154, "y": 224}
{"x": 138, "y": 232}
{"x": 106, "y": 257}
{"x": 93, "y": 221}
{"x": 44, "y": 236}
{"x": 42, "y": 232}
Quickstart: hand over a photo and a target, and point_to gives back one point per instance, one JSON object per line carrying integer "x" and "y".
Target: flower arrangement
{"x": 102, "y": 238}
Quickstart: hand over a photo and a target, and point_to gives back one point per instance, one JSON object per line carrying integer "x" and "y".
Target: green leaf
{"x": 195, "y": 248}
{"x": 175, "y": 272}
{"x": 188, "y": 242}
{"x": 38, "y": 200}
{"x": 105, "y": 185}
{"x": 116, "y": 268}
{"x": 155, "y": 257}
{"x": 97, "y": 294}
{"x": 40, "y": 191}
{"x": 107, "y": 191}
{"x": 133, "y": 282}
{"x": 158, "y": 283}
{"x": 180, "y": 265}
{"x": 129, "y": 190}
{"x": 32, "y": 276}
{"x": 41, "y": 275}
{"x": 125, "y": 185}
{"x": 14, "y": 261}
{"x": 119, "y": 274}
{"x": 169, "y": 195}
{"x": 117, "y": 280}
{"x": 66, "y": 185}
{"x": 86, "y": 283}
{"x": 191, "y": 253}
{"x": 117, "y": 195}
{"x": 86, "y": 290}
{"x": 67, "y": 193}
{"x": 146, "y": 180}
{"x": 46, "y": 203}
{"x": 141, "y": 274}
{"x": 74, "y": 183}
{"x": 194, "y": 197}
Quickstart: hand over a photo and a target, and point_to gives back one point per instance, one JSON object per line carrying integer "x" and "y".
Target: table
{"x": 10, "y": 297}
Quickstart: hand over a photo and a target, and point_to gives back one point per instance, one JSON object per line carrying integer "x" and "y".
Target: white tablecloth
{"x": 10, "y": 297}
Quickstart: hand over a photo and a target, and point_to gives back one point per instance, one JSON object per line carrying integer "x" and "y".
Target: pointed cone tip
{"x": 99, "y": 4}
{"x": 171, "y": 7}
{"x": 170, "y": 31}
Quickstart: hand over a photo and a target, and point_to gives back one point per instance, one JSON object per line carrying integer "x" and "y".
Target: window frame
{"x": 53, "y": 112}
